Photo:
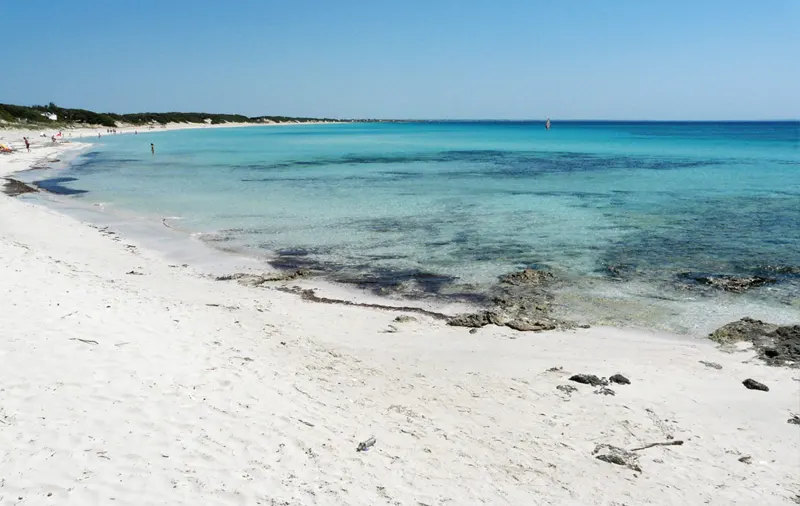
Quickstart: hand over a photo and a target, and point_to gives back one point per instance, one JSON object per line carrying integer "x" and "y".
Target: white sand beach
{"x": 40, "y": 135}
{"x": 129, "y": 380}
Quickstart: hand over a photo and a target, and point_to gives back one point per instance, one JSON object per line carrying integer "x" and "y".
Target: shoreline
{"x": 147, "y": 382}
{"x": 569, "y": 301}
{"x": 332, "y": 283}
{"x": 13, "y": 134}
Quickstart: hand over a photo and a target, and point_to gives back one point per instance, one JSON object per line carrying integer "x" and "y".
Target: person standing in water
{"x": 27, "y": 144}
{"x": 152, "y": 148}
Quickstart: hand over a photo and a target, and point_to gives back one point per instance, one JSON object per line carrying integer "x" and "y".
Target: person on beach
{"x": 152, "y": 148}
{"x": 27, "y": 144}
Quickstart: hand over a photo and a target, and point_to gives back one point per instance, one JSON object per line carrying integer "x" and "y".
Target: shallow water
{"x": 445, "y": 208}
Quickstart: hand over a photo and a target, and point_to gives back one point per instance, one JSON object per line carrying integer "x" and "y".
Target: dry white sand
{"x": 40, "y": 136}
{"x": 125, "y": 380}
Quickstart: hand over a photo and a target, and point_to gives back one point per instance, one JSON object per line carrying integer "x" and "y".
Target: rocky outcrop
{"x": 776, "y": 345}
{"x": 746, "y": 329}
{"x": 519, "y": 302}
{"x": 737, "y": 284}
{"x": 785, "y": 345}
{"x": 479, "y": 319}
{"x": 500, "y": 318}
{"x": 527, "y": 277}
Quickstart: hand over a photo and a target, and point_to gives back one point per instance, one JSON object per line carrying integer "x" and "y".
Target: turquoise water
{"x": 621, "y": 211}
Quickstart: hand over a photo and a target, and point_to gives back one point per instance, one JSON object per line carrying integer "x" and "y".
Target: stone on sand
{"x": 589, "y": 379}
{"x": 752, "y": 384}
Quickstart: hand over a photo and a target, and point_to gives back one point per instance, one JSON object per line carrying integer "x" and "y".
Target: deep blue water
{"x": 622, "y": 210}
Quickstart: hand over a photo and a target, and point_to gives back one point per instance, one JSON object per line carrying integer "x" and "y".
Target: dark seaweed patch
{"x": 14, "y": 188}
{"x": 293, "y": 252}
{"x": 367, "y": 275}
{"x": 95, "y": 161}
{"x": 490, "y": 162}
{"x": 733, "y": 235}
{"x": 394, "y": 225}
{"x": 54, "y": 185}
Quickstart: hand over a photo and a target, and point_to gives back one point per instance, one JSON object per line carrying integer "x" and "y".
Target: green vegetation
{"x": 37, "y": 114}
{"x": 6, "y": 116}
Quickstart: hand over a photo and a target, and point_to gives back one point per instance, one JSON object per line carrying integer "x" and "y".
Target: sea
{"x": 626, "y": 215}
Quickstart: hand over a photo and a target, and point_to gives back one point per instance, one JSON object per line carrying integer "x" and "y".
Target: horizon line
{"x": 766, "y": 120}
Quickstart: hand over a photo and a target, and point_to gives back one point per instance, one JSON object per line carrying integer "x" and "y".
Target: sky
{"x": 423, "y": 59}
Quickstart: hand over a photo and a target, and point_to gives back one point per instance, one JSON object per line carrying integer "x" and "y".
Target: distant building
{"x": 50, "y": 116}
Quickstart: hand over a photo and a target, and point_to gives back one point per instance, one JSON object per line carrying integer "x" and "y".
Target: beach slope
{"x": 126, "y": 380}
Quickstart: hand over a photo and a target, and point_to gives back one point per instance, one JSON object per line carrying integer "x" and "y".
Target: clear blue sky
{"x": 593, "y": 59}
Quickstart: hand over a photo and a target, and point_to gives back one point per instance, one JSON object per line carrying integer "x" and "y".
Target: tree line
{"x": 38, "y": 114}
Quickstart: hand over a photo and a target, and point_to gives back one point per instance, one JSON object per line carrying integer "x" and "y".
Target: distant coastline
{"x": 52, "y": 116}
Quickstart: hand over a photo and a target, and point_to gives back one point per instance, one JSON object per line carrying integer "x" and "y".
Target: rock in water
{"x": 527, "y": 277}
{"x": 619, "y": 379}
{"x": 618, "y": 456}
{"x": 736, "y": 284}
{"x": 589, "y": 379}
{"x": 712, "y": 365}
{"x": 794, "y": 419}
{"x": 405, "y": 319}
{"x": 755, "y": 385}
